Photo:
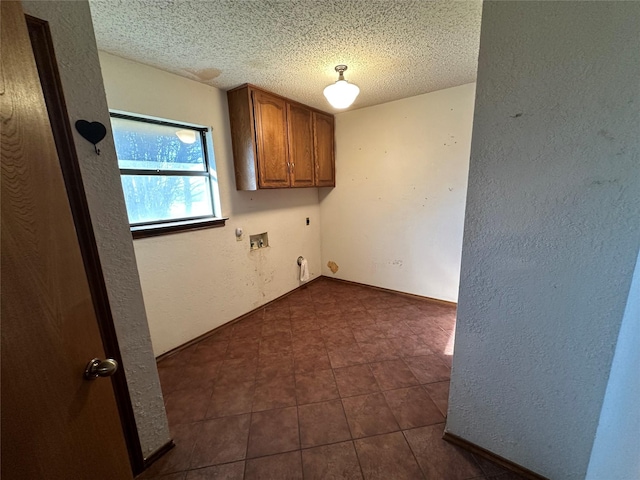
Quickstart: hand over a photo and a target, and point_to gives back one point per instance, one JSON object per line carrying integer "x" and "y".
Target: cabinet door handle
{"x": 292, "y": 166}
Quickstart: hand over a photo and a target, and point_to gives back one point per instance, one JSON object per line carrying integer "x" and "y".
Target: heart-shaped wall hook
{"x": 93, "y": 132}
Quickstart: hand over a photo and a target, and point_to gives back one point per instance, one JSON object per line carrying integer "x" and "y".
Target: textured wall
{"x": 77, "y": 57}
{"x": 395, "y": 218}
{"x": 616, "y": 449}
{"x": 195, "y": 281}
{"x": 552, "y": 229}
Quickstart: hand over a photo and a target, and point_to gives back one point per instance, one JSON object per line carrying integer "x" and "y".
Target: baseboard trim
{"x": 230, "y": 323}
{"x": 397, "y": 292}
{"x": 151, "y": 459}
{"x": 481, "y": 452}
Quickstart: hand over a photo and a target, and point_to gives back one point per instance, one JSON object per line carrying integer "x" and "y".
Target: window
{"x": 168, "y": 181}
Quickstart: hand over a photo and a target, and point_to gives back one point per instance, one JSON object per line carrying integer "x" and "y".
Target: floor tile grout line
{"x": 295, "y": 390}
{"x": 190, "y": 456}
{"x": 231, "y": 462}
{"x": 420, "y": 385}
{"x": 413, "y": 454}
{"x": 434, "y": 401}
{"x": 344, "y": 412}
{"x": 353, "y": 443}
{"x": 258, "y": 457}
{"x": 328, "y": 345}
{"x": 475, "y": 460}
{"x": 295, "y": 374}
{"x": 300, "y": 449}
{"x": 301, "y": 463}
{"x": 253, "y": 396}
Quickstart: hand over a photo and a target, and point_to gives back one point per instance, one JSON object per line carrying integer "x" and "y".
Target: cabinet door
{"x": 271, "y": 138}
{"x": 323, "y": 146}
{"x": 300, "y": 122}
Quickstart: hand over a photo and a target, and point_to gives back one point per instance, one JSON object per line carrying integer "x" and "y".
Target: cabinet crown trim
{"x": 253, "y": 87}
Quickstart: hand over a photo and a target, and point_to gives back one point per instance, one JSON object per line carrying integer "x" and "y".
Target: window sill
{"x": 176, "y": 227}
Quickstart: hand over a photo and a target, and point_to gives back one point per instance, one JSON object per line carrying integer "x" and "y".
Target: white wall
{"x": 76, "y": 52}
{"x": 552, "y": 229}
{"x": 616, "y": 449}
{"x": 395, "y": 217}
{"x": 196, "y": 281}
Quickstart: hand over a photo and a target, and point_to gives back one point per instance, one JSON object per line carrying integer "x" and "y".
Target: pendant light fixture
{"x": 342, "y": 93}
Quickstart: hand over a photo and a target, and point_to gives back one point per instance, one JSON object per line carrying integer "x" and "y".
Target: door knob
{"x": 100, "y": 368}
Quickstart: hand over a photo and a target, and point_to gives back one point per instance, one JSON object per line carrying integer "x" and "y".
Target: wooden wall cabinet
{"x": 323, "y": 150}
{"x": 279, "y": 143}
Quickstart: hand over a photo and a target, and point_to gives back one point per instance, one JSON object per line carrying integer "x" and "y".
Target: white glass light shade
{"x": 341, "y": 94}
{"x": 186, "y": 136}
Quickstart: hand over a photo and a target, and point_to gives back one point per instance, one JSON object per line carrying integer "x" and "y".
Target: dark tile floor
{"x": 335, "y": 381}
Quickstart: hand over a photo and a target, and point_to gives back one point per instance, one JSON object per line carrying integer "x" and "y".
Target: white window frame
{"x": 161, "y": 227}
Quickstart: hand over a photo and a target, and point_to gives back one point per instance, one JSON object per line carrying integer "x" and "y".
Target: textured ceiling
{"x": 394, "y": 49}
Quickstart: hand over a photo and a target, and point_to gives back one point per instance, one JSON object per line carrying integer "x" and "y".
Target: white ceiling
{"x": 394, "y": 49}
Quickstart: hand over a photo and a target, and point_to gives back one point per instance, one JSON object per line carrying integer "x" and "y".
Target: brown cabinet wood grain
{"x": 279, "y": 143}
{"x": 323, "y": 147}
{"x": 300, "y": 122}
{"x": 270, "y": 115}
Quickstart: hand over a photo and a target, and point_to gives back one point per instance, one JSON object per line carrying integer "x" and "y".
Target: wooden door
{"x": 270, "y": 116}
{"x": 323, "y": 146}
{"x": 55, "y": 424}
{"x": 300, "y": 124}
